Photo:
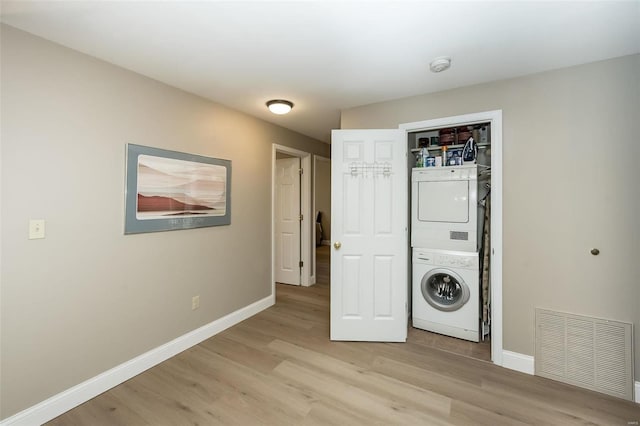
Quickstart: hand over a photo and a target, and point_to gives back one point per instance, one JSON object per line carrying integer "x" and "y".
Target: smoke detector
{"x": 440, "y": 64}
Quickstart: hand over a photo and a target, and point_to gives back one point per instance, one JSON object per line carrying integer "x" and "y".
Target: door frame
{"x": 495, "y": 117}
{"x": 287, "y": 221}
{"x": 316, "y": 159}
{"x": 305, "y": 208}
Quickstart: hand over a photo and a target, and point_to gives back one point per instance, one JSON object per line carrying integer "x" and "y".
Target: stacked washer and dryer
{"x": 444, "y": 241}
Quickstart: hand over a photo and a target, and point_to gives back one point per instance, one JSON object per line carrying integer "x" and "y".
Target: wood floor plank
{"x": 262, "y": 389}
{"x": 260, "y": 360}
{"x": 566, "y": 400}
{"x": 323, "y": 414}
{"x": 481, "y": 350}
{"x": 444, "y": 363}
{"x": 356, "y": 399}
{"x": 463, "y": 413}
{"x": 105, "y": 410}
{"x": 368, "y": 380}
{"x": 162, "y": 407}
{"x": 506, "y": 400}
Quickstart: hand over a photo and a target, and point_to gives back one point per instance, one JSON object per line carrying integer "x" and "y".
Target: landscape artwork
{"x": 168, "y": 190}
{"x": 168, "y": 187}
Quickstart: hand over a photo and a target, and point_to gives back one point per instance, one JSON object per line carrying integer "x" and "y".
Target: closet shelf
{"x": 460, "y": 145}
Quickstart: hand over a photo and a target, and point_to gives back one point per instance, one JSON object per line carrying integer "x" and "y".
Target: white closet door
{"x": 287, "y": 211}
{"x": 369, "y": 235}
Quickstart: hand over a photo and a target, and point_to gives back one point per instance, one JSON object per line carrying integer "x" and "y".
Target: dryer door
{"x": 444, "y": 201}
{"x": 444, "y": 289}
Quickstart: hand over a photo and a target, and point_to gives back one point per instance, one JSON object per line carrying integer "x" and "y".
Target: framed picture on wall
{"x": 169, "y": 190}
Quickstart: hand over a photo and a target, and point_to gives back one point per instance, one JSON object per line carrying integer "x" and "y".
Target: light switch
{"x": 36, "y": 229}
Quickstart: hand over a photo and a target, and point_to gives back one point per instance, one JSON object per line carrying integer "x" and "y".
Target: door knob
{"x": 337, "y": 245}
{"x": 595, "y": 251}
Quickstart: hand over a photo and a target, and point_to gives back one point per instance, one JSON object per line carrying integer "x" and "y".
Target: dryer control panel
{"x": 437, "y": 174}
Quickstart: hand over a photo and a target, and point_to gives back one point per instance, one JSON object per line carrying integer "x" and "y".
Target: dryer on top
{"x": 444, "y": 208}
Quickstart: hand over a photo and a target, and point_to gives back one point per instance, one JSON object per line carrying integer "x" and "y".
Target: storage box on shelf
{"x": 456, "y": 146}
{"x": 453, "y": 138}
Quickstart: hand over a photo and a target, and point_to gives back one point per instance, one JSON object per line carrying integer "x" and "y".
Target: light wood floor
{"x": 280, "y": 368}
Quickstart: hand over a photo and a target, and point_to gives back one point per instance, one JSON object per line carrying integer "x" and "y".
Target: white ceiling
{"x": 330, "y": 55}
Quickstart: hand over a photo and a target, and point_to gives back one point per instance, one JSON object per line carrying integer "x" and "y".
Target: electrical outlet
{"x": 36, "y": 229}
{"x": 195, "y": 302}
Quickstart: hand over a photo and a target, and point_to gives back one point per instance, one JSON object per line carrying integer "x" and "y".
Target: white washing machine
{"x": 446, "y": 293}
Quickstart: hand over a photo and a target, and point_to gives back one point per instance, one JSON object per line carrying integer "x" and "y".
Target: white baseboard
{"x": 637, "y": 392}
{"x": 325, "y": 243}
{"x": 72, "y": 397}
{"x": 518, "y": 362}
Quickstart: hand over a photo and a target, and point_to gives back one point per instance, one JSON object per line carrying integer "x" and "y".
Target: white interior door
{"x": 369, "y": 235}
{"x": 287, "y": 217}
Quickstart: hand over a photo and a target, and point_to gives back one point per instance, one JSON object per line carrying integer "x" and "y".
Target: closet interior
{"x": 450, "y": 197}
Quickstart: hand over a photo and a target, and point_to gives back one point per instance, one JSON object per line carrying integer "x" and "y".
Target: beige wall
{"x": 571, "y": 174}
{"x": 323, "y": 195}
{"x": 87, "y": 297}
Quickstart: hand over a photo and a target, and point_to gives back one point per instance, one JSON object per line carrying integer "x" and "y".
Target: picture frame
{"x": 169, "y": 190}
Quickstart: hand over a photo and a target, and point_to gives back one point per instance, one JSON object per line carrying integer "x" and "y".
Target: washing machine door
{"x": 444, "y": 289}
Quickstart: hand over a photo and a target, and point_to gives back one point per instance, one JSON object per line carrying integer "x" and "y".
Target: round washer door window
{"x": 444, "y": 290}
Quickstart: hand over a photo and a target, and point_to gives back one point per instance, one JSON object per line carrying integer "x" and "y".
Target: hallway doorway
{"x": 291, "y": 217}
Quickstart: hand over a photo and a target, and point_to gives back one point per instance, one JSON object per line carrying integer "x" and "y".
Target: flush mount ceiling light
{"x": 279, "y": 106}
{"x": 440, "y": 64}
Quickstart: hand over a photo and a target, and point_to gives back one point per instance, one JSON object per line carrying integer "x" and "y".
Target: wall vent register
{"x": 589, "y": 352}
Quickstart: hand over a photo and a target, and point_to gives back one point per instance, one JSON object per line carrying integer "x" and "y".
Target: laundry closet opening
{"x": 449, "y": 189}
{"x": 383, "y": 235}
